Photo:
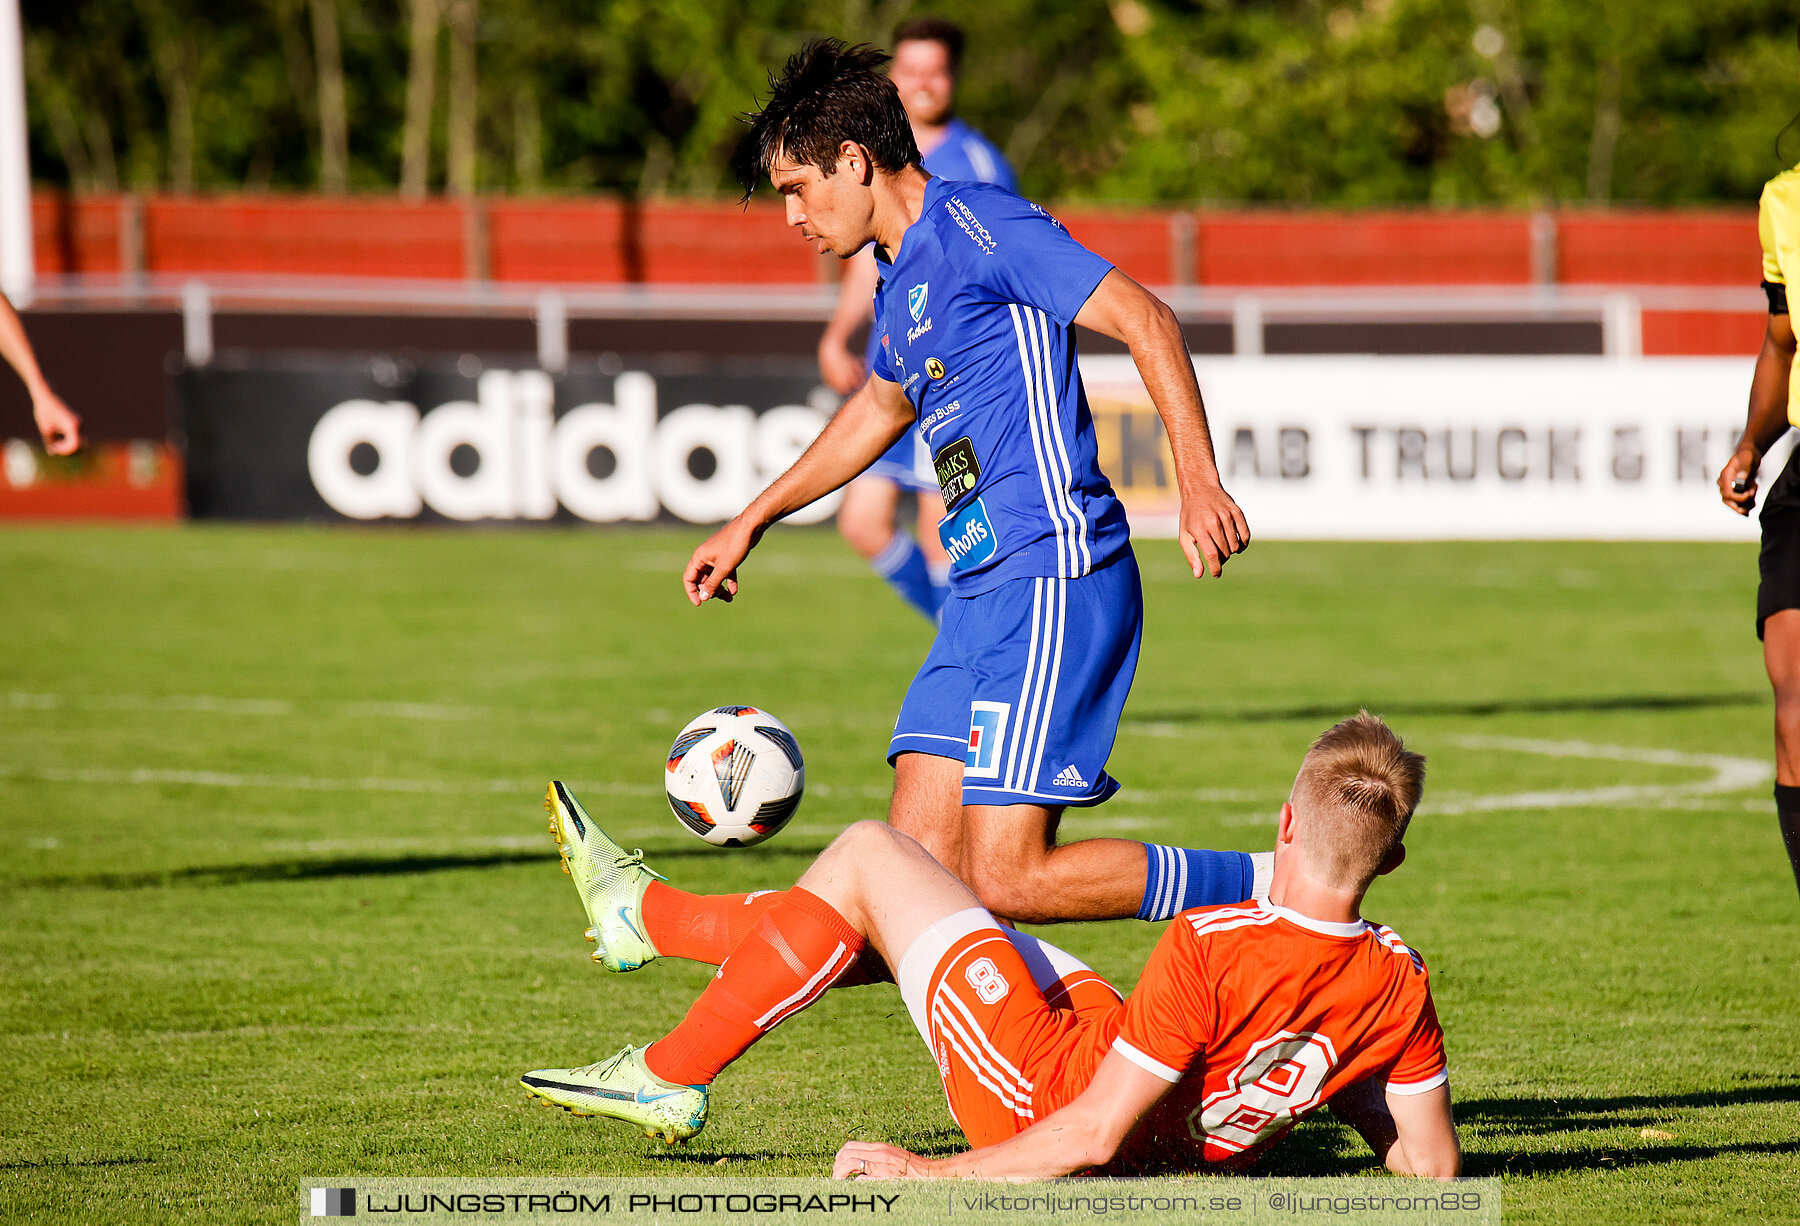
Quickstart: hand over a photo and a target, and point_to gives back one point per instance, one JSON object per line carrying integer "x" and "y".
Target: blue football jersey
{"x": 966, "y": 154}
{"x": 975, "y": 319}
{"x": 963, "y": 154}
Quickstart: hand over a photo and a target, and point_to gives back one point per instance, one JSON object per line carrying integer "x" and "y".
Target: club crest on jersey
{"x": 987, "y": 736}
{"x": 957, "y": 470}
{"x": 933, "y": 368}
{"x": 915, "y": 299}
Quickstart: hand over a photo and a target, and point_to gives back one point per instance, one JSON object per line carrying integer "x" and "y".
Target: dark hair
{"x": 932, "y": 30}
{"x": 827, "y": 93}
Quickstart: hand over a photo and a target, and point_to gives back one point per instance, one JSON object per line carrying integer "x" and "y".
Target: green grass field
{"x": 279, "y": 902}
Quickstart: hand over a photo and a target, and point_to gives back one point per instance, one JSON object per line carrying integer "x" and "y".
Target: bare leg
{"x": 886, "y": 885}
{"x": 931, "y": 510}
{"x": 1781, "y": 656}
{"x": 927, "y": 805}
{"x": 866, "y": 517}
{"x": 872, "y": 888}
{"x": 1019, "y": 871}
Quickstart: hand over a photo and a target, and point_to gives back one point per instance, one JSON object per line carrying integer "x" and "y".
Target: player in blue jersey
{"x": 1013, "y": 714}
{"x": 927, "y": 57}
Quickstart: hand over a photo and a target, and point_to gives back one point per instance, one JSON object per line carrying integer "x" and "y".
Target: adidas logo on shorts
{"x": 1069, "y": 778}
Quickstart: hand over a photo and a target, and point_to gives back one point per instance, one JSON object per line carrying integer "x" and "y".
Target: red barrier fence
{"x": 609, "y": 241}
{"x": 606, "y": 240}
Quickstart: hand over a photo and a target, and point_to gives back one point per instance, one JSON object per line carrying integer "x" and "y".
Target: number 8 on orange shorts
{"x": 995, "y": 1007}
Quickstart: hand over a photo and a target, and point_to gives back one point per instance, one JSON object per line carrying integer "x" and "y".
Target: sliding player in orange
{"x": 1246, "y": 1018}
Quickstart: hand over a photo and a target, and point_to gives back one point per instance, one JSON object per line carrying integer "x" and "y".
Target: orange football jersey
{"x": 1258, "y": 1015}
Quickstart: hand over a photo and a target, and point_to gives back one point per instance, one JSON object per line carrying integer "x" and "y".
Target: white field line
{"x": 503, "y": 842}
{"x": 1728, "y": 775}
{"x": 212, "y": 705}
{"x": 258, "y": 1033}
{"x": 320, "y": 847}
{"x": 138, "y": 702}
{"x": 410, "y": 710}
{"x": 150, "y": 776}
{"x": 207, "y": 704}
{"x": 1155, "y": 728}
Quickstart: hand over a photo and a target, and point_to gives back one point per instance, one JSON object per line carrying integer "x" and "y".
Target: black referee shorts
{"x": 1780, "y": 559}
{"x": 1779, "y": 564}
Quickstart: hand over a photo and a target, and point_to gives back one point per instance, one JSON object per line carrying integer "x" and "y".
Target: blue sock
{"x": 1180, "y": 877}
{"x": 902, "y": 564}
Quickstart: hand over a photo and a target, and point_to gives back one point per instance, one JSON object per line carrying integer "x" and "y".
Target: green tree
{"x": 1343, "y": 102}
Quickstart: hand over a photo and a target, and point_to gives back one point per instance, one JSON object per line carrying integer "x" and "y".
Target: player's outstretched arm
{"x": 60, "y": 428}
{"x": 1413, "y": 1134}
{"x": 839, "y": 365}
{"x": 1212, "y": 525}
{"x": 1768, "y": 418}
{"x": 1086, "y": 1133}
{"x": 856, "y": 436}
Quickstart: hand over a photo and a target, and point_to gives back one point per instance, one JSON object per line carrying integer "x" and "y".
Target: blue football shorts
{"x": 1025, "y": 683}
{"x": 907, "y": 463}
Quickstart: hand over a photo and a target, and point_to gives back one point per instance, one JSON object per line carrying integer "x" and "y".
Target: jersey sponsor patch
{"x": 957, "y": 471}
{"x": 968, "y": 536}
{"x": 987, "y": 736}
{"x": 970, "y": 225}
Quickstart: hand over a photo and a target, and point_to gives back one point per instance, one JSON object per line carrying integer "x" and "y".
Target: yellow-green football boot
{"x": 621, "y": 1088}
{"x": 610, "y": 880}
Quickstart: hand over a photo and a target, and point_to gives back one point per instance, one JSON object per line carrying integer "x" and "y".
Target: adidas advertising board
{"x": 1464, "y": 448}
{"x": 1312, "y": 447}
{"x": 373, "y": 439}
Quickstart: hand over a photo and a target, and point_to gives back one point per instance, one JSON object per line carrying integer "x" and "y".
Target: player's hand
{"x": 1213, "y": 528}
{"x": 873, "y": 1160}
{"x": 712, "y": 571}
{"x": 842, "y": 370}
{"x": 59, "y": 426}
{"x": 1737, "y": 480}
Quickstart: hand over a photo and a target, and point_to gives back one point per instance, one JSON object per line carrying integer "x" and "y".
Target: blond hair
{"x": 1356, "y": 791}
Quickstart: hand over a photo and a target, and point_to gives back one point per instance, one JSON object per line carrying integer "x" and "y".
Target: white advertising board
{"x": 1447, "y": 448}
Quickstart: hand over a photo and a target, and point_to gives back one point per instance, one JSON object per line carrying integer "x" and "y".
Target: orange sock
{"x": 701, "y": 927}
{"x": 795, "y": 952}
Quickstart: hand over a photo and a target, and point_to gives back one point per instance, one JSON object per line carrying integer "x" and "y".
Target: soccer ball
{"x": 735, "y": 776}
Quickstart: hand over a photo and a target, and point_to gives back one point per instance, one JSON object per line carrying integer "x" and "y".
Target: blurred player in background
{"x": 1246, "y": 1018}
{"x": 1013, "y": 715}
{"x": 927, "y": 56}
{"x": 60, "y": 428}
{"x": 1774, "y": 405}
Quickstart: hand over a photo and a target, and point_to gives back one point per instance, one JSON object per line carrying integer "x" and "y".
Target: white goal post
{"x": 16, "y": 267}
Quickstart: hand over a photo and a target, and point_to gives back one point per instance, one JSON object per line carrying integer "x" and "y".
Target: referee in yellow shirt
{"x": 1774, "y": 405}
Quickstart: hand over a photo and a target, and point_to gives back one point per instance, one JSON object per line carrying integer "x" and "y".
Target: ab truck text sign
{"x": 1447, "y": 448}
{"x": 1312, "y": 447}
